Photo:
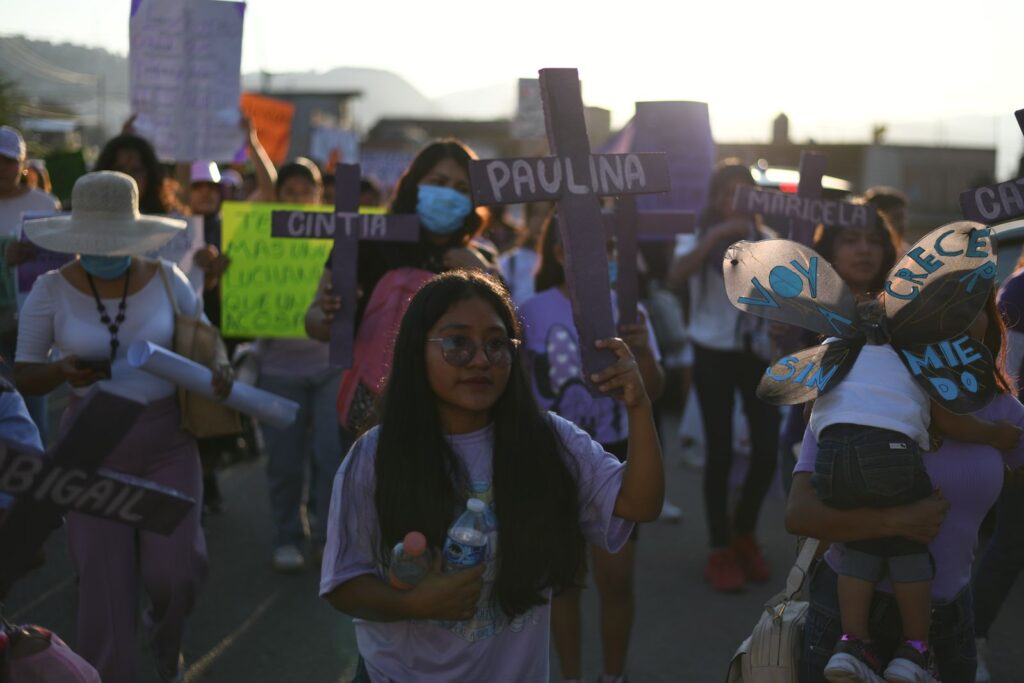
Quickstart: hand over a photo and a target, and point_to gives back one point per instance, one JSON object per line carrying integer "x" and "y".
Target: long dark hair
{"x": 995, "y": 341}
{"x": 550, "y": 272}
{"x": 406, "y": 192}
{"x": 825, "y": 237}
{"x": 421, "y": 485}
{"x": 158, "y": 196}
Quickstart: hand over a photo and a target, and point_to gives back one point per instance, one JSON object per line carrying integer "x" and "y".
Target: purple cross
{"x": 997, "y": 203}
{"x": 70, "y": 479}
{"x": 629, "y": 227}
{"x": 806, "y": 209}
{"x": 348, "y": 227}
{"x": 575, "y": 179}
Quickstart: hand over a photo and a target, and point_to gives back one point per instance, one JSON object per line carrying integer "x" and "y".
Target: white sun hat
{"x": 104, "y": 220}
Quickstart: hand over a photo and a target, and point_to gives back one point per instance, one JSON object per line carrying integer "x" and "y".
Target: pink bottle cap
{"x": 414, "y": 543}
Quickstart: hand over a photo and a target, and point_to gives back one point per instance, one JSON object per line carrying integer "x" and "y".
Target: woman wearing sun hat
{"x": 90, "y": 311}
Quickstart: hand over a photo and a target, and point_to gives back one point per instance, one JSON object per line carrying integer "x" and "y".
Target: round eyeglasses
{"x": 459, "y": 350}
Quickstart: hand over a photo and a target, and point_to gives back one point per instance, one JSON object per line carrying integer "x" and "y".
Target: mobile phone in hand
{"x": 101, "y": 365}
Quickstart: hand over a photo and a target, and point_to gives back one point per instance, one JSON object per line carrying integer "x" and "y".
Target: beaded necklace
{"x": 112, "y": 325}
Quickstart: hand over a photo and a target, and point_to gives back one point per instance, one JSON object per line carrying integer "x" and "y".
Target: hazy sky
{"x": 935, "y": 71}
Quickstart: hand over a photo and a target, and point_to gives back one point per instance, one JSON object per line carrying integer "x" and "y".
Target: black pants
{"x": 717, "y": 375}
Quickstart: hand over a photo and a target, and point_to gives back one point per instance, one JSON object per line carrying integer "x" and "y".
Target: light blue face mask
{"x": 613, "y": 271}
{"x": 442, "y": 209}
{"x": 106, "y": 267}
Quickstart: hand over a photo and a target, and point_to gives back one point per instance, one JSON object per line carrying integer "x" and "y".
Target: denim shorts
{"x": 860, "y": 466}
{"x": 951, "y": 634}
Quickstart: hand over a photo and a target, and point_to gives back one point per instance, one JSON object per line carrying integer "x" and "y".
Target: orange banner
{"x": 272, "y": 121}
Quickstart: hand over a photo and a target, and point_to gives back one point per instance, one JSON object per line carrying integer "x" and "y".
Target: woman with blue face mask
{"x": 435, "y": 187}
{"x": 75, "y": 329}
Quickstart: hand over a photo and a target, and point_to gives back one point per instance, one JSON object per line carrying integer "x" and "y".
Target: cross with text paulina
{"x": 997, "y": 203}
{"x": 575, "y": 179}
{"x": 69, "y": 478}
{"x": 348, "y": 227}
{"x": 806, "y": 209}
{"x": 629, "y": 227}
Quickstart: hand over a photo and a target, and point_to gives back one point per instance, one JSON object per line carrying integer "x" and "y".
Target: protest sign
{"x": 806, "y": 209}
{"x": 271, "y": 282}
{"x": 995, "y": 203}
{"x": 68, "y": 479}
{"x": 575, "y": 179}
{"x": 272, "y": 121}
{"x": 184, "y": 63}
{"x": 347, "y": 227}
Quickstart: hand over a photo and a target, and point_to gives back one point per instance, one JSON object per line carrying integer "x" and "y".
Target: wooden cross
{"x": 997, "y": 203}
{"x": 630, "y": 226}
{"x": 806, "y": 209}
{"x": 348, "y": 227}
{"x": 70, "y": 479}
{"x": 575, "y": 179}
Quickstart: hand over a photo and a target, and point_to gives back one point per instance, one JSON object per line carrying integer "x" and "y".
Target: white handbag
{"x": 772, "y": 652}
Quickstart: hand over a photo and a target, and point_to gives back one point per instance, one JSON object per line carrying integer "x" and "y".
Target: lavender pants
{"x": 111, "y": 559}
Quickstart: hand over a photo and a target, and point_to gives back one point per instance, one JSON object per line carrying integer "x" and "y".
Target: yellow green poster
{"x": 271, "y": 281}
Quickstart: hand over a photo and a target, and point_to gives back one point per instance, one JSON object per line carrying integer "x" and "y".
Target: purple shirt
{"x": 488, "y": 647}
{"x": 553, "y": 356}
{"x": 971, "y": 477}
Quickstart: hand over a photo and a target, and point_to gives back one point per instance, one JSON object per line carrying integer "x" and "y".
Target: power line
{"x": 43, "y": 68}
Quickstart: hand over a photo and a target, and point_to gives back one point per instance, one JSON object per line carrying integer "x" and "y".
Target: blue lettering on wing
{"x": 906, "y": 297}
{"x": 918, "y": 363}
{"x": 811, "y": 273}
{"x": 946, "y": 388}
{"x": 768, "y": 299}
{"x": 986, "y": 271}
{"x": 789, "y": 362}
{"x": 821, "y": 378}
{"x": 832, "y": 317}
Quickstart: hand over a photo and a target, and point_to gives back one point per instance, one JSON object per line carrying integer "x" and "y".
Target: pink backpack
{"x": 374, "y": 343}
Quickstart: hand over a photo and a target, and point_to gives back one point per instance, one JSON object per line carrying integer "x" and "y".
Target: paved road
{"x": 253, "y": 625}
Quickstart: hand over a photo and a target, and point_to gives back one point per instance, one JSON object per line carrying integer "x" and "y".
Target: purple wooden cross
{"x": 348, "y": 227}
{"x": 629, "y": 227}
{"x": 806, "y": 209}
{"x": 575, "y": 179}
{"x": 69, "y": 479}
{"x": 997, "y": 203}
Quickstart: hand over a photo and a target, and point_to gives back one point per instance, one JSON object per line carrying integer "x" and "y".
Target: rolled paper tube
{"x": 266, "y": 407}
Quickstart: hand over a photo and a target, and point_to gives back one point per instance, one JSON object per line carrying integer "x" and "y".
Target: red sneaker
{"x": 723, "y": 572}
{"x": 751, "y": 561}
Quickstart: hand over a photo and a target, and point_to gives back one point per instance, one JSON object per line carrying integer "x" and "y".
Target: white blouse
{"x": 57, "y": 316}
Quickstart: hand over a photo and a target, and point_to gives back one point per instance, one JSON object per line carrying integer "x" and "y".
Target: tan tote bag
{"x": 199, "y": 341}
{"x": 772, "y": 652}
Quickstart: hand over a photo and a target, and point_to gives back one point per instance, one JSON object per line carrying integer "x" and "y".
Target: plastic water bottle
{"x": 466, "y": 545}
{"x": 410, "y": 561}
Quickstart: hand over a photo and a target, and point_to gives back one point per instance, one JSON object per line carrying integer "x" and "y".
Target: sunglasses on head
{"x": 459, "y": 350}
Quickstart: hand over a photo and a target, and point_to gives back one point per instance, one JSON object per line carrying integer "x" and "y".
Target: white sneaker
{"x": 982, "y": 675}
{"x": 288, "y": 560}
{"x": 670, "y": 513}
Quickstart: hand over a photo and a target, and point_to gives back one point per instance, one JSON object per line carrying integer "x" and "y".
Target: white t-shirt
{"x": 878, "y": 392}
{"x": 12, "y": 209}
{"x": 58, "y": 316}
